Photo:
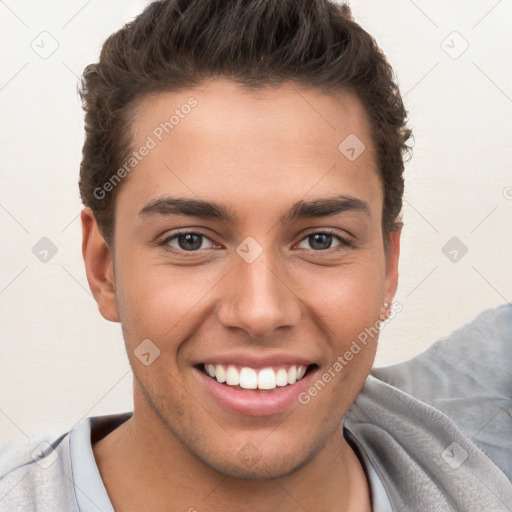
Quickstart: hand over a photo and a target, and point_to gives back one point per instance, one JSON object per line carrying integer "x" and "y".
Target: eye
{"x": 188, "y": 241}
{"x": 322, "y": 240}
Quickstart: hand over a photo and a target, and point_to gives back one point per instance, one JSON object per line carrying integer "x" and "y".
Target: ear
{"x": 392, "y": 257}
{"x": 99, "y": 266}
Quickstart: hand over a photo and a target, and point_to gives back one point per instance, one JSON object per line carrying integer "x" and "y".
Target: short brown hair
{"x": 175, "y": 44}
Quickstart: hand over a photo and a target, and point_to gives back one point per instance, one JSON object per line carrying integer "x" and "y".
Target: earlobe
{"x": 98, "y": 266}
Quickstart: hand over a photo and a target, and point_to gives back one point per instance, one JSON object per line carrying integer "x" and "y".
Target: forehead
{"x": 224, "y": 107}
{"x": 222, "y": 139}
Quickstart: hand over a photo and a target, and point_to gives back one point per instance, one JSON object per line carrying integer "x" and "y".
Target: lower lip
{"x": 255, "y": 402}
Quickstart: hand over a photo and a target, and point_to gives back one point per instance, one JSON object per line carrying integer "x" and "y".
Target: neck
{"x": 141, "y": 474}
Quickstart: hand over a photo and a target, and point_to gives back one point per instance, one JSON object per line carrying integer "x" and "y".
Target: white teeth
{"x": 210, "y": 369}
{"x": 232, "y": 376}
{"x": 249, "y": 378}
{"x": 220, "y": 374}
{"x": 267, "y": 379}
{"x": 282, "y": 377}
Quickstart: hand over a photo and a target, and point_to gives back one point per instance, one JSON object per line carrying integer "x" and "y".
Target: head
{"x": 260, "y": 222}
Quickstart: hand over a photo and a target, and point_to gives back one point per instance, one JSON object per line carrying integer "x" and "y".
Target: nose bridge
{"x": 258, "y": 299}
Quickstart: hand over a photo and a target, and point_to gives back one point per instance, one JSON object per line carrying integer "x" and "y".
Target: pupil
{"x": 189, "y": 241}
{"x": 321, "y": 241}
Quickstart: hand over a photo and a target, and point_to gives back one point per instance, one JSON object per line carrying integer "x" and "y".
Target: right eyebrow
{"x": 180, "y": 206}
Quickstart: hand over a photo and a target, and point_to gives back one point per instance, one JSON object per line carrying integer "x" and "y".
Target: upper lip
{"x": 256, "y": 361}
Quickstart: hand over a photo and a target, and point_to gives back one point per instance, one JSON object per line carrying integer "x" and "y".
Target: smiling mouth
{"x": 264, "y": 379}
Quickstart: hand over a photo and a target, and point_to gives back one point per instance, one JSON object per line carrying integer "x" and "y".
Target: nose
{"x": 258, "y": 298}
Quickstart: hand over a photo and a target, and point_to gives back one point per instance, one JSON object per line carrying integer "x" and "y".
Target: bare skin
{"x": 256, "y": 153}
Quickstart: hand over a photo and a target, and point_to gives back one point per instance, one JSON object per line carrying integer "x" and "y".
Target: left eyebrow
{"x": 326, "y": 208}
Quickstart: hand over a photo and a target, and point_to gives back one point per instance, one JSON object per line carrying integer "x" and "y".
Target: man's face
{"x": 259, "y": 288}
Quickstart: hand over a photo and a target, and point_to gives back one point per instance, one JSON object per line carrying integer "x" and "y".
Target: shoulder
{"x": 437, "y": 428}
{"x": 425, "y": 462}
{"x": 467, "y": 375}
{"x": 480, "y": 352}
{"x": 61, "y": 476}
{"x": 41, "y": 479}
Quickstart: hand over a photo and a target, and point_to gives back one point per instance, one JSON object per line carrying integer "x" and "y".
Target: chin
{"x": 242, "y": 467}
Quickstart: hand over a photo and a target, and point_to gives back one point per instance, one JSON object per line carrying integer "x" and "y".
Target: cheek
{"x": 154, "y": 300}
{"x": 350, "y": 296}
{"x": 350, "y": 307}
{"x": 352, "y": 313}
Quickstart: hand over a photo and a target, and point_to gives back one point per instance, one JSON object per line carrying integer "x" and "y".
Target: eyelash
{"x": 344, "y": 243}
